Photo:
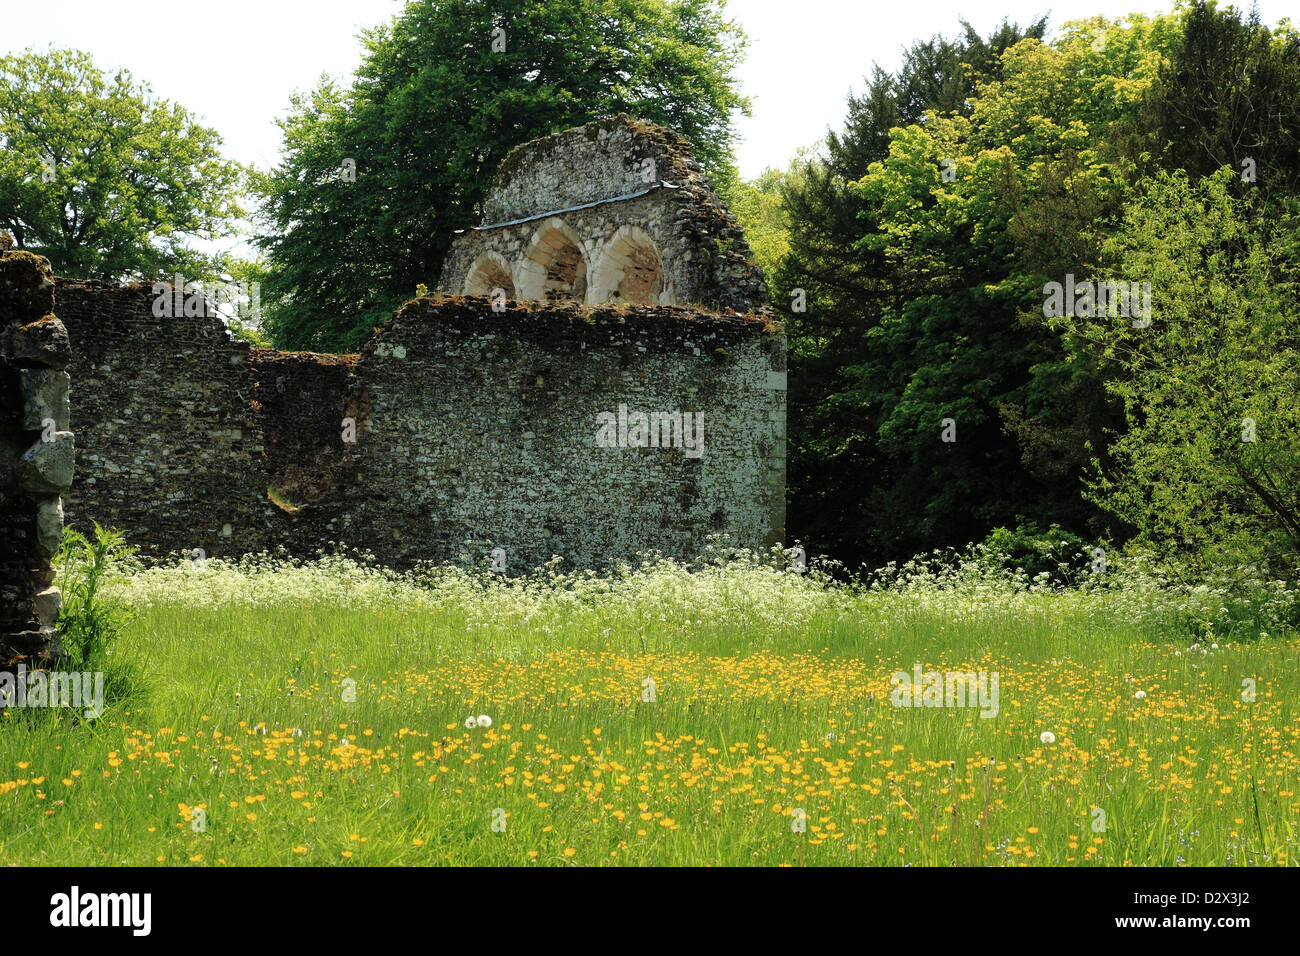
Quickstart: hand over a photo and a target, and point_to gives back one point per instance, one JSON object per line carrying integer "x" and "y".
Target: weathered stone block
{"x": 45, "y": 398}
{"x": 46, "y": 468}
{"x": 49, "y": 526}
{"x": 44, "y": 343}
{"x": 46, "y": 606}
{"x": 169, "y": 447}
{"x": 25, "y": 643}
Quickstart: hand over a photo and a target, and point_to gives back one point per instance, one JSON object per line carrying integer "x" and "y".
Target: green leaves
{"x": 902, "y": 238}
{"x": 1230, "y": 91}
{"x": 1209, "y": 462}
{"x": 90, "y": 623}
{"x": 102, "y": 178}
{"x": 925, "y": 238}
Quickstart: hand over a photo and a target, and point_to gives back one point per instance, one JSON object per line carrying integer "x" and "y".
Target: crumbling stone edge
{"x": 36, "y": 454}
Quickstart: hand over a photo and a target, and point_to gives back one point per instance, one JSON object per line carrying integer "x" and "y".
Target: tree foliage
{"x": 101, "y": 177}
{"x": 1229, "y": 94}
{"x": 918, "y": 240}
{"x": 1209, "y": 463}
{"x": 925, "y": 236}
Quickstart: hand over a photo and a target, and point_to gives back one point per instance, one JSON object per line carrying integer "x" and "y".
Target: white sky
{"x": 235, "y": 62}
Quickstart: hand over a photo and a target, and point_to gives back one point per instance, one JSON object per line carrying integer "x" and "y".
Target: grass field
{"x": 737, "y": 714}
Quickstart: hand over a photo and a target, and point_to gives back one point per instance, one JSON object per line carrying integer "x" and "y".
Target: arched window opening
{"x": 489, "y": 271}
{"x": 629, "y": 270}
{"x": 554, "y": 270}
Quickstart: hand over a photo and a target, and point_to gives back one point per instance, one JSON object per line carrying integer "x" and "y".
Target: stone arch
{"x": 629, "y": 269}
{"x": 489, "y": 271}
{"x": 553, "y": 268}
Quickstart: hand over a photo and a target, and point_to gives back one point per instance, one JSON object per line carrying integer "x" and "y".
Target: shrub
{"x": 90, "y": 622}
{"x": 1061, "y": 555}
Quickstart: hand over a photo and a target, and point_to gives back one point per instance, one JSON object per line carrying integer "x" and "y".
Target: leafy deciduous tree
{"x": 1209, "y": 464}
{"x": 103, "y": 179}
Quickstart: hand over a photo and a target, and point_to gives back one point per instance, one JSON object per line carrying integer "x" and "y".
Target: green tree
{"x": 932, "y": 311}
{"x": 1209, "y": 464}
{"x": 103, "y": 179}
{"x": 759, "y": 206}
{"x": 1228, "y": 94}
{"x": 434, "y": 110}
{"x": 834, "y": 453}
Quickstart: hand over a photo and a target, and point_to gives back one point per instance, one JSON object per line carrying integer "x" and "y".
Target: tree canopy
{"x": 101, "y": 177}
{"x": 927, "y": 386}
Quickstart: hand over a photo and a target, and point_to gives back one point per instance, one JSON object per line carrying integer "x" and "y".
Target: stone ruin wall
{"x": 480, "y": 432}
{"x": 300, "y": 405}
{"x": 475, "y": 419}
{"x": 171, "y": 450}
{"x": 36, "y": 454}
{"x": 473, "y": 426}
{"x": 674, "y": 217}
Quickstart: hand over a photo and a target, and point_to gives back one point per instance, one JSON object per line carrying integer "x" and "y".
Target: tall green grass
{"x": 771, "y": 695}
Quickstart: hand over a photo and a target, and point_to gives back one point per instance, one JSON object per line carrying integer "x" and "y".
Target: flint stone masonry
{"x": 169, "y": 447}
{"x": 301, "y": 398}
{"x": 673, "y": 242}
{"x": 475, "y": 429}
{"x": 485, "y": 434}
{"x": 36, "y": 454}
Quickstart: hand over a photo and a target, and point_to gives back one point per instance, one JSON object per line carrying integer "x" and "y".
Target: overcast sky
{"x": 235, "y": 62}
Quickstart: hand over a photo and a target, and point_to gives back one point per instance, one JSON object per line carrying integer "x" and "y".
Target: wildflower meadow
{"x": 740, "y": 710}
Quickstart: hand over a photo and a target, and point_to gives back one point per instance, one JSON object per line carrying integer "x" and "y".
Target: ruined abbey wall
{"x": 600, "y": 380}
{"x": 300, "y": 407}
{"x": 474, "y": 429}
{"x": 480, "y": 430}
{"x": 169, "y": 446}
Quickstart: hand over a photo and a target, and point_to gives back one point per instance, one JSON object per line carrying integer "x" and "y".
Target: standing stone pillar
{"x": 36, "y": 453}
